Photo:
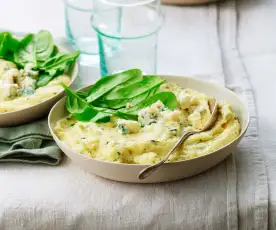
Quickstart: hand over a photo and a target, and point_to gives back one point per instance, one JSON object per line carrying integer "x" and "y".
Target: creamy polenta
{"x": 18, "y": 87}
{"x": 147, "y": 140}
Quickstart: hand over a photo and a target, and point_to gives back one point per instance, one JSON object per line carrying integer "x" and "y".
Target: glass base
{"x": 89, "y": 60}
{"x": 87, "y": 45}
{"x": 89, "y": 70}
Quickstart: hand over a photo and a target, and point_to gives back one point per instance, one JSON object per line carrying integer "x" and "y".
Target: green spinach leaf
{"x": 43, "y": 79}
{"x": 7, "y": 44}
{"x": 3, "y": 44}
{"x": 35, "y": 49}
{"x": 167, "y": 98}
{"x": 107, "y": 83}
{"x": 26, "y": 40}
{"x": 78, "y": 107}
{"x": 82, "y": 110}
{"x": 82, "y": 94}
{"x": 26, "y": 52}
{"x": 134, "y": 79}
{"x": 13, "y": 43}
{"x": 133, "y": 93}
{"x": 10, "y": 43}
{"x": 55, "y": 66}
{"x": 9, "y": 56}
{"x": 135, "y": 89}
{"x": 44, "y": 45}
{"x": 101, "y": 118}
{"x": 59, "y": 62}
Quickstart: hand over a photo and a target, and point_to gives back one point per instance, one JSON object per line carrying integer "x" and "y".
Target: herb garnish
{"x": 155, "y": 142}
{"x": 111, "y": 94}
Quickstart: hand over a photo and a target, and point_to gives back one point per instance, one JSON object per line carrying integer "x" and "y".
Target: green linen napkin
{"x": 29, "y": 143}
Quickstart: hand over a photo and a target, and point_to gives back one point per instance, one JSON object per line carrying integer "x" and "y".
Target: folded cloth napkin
{"x": 30, "y": 143}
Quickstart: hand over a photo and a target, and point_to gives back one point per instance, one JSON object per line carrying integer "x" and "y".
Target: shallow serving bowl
{"x": 169, "y": 171}
{"x": 41, "y": 109}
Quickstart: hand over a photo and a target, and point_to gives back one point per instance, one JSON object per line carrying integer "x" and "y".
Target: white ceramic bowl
{"x": 169, "y": 171}
{"x": 41, "y": 109}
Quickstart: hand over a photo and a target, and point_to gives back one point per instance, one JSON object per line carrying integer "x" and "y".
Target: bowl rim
{"x": 167, "y": 163}
{"x": 73, "y": 77}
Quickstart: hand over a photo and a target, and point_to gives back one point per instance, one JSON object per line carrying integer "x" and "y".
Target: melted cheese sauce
{"x": 9, "y": 103}
{"x": 155, "y": 133}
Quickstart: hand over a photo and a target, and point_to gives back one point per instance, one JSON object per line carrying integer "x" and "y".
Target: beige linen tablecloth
{"x": 234, "y": 194}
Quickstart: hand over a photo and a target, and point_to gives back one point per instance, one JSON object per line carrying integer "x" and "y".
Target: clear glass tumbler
{"x": 79, "y": 31}
{"x": 127, "y": 34}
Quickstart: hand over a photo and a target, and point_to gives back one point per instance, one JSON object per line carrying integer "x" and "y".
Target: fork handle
{"x": 150, "y": 169}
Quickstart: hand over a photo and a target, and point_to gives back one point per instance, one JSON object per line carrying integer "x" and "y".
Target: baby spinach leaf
{"x": 167, "y": 98}
{"x": 59, "y": 62}
{"x": 134, "y": 79}
{"x": 35, "y": 49}
{"x": 3, "y": 44}
{"x": 9, "y": 56}
{"x": 44, "y": 45}
{"x": 101, "y": 118}
{"x": 26, "y": 40}
{"x": 13, "y": 43}
{"x": 7, "y": 44}
{"x": 107, "y": 83}
{"x": 82, "y": 94}
{"x": 86, "y": 114}
{"x": 120, "y": 103}
{"x": 83, "y": 111}
{"x": 55, "y": 66}
{"x": 43, "y": 80}
{"x": 78, "y": 107}
{"x": 26, "y": 52}
{"x": 141, "y": 93}
{"x": 105, "y": 110}
{"x": 135, "y": 89}
{"x": 133, "y": 93}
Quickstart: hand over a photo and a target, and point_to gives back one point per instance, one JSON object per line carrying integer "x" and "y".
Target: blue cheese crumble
{"x": 150, "y": 114}
{"x": 128, "y": 126}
